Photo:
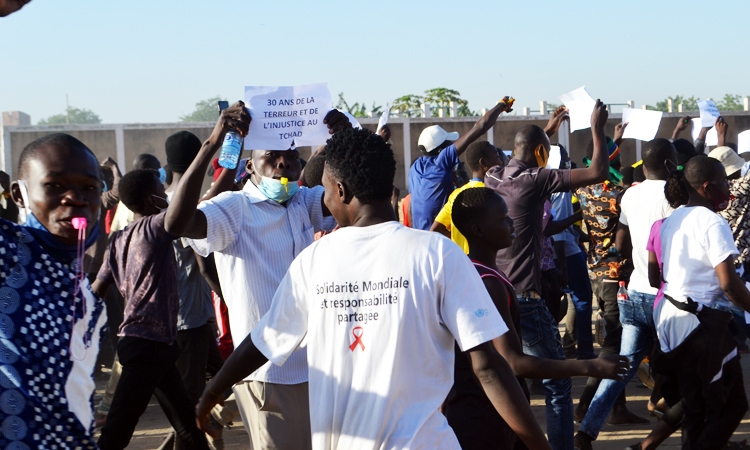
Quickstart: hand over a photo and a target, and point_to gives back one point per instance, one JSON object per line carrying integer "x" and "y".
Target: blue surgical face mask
{"x": 278, "y": 190}
{"x": 162, "y": 175}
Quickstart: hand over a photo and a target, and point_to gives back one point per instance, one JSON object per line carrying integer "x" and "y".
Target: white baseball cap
{"x": 431, "y": 138}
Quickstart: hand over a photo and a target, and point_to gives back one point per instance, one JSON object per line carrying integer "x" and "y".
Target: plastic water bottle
{"x": 230, "y": 150}
{"x": 622, "y": 293}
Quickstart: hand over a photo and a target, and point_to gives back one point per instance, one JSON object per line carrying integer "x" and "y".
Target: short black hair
{"x": 685, "y": 151}
{"x": 146, "y": 161}
{"x": 470, "y": 207}
{"x": 476, "y": 151}
{"x": 60, "y": 140}
{"x": 313, "y": 175}
{"x": 136, "y": 187}
{"x": 697, "y": 171}
{"x": 655, "y": 153}
{"x": 364, "y": 162}
{"x": 638, "y": 175}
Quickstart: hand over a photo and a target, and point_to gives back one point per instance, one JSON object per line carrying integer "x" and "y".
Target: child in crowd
{"x": 379, "y": 326}
{"x": 696, "y": 347}
{"x": 481, "y": 215}
{"x": 142, "y": 265}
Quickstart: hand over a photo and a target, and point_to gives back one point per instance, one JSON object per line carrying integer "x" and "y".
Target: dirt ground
{"x": 154, "y": 427}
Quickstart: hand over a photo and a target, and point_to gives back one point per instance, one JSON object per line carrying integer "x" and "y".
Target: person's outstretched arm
{"x": 527, "y": 366}
{"x": 681, "y": 126}
{"x": 183, "y": 217}
{"x": 245, "y": 360}
{"x": 506, "y": 395}
{"x": 483, "y": 125}
{"x": 558, "y": 116}
{"x": 598, "y": 170}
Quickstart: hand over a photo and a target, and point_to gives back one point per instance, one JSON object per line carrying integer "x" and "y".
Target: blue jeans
{"x": 542, "y": 339}
{"x": 580, "y": 283}
{"x": 636, "y": 316}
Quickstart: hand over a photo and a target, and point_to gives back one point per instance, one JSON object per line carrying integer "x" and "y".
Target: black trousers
{"x": 199, "y": 354}
{"x": 148, "y": 367}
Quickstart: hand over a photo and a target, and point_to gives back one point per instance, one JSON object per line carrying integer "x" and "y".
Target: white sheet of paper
{"x": 554, "y": 157}
{"x": 642, "y": 124}
{"x": 384, "y": 117}
{"x": 712, "y": 138}
{"x": 580, "y": 106}
{"x": 3, "y": 202}
{"x": 282, "y": 114}
{"x": 709, "y": 112}
{"x": 743, "y": 142}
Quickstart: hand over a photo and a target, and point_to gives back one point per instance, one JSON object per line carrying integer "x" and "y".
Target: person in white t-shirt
{"x": 379, "y": 307}
{"x": 697, "y": 349}
{"x": 641, "y": 206}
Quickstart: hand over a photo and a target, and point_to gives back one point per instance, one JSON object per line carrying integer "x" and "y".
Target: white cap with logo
{"x": 431, "y": 138}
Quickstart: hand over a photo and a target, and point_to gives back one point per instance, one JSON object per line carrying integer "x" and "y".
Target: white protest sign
{"x": 283, "y": 115}
{"x": 712, "y": 138}
{"x": 743, "y": 142}
{"x": 384, "y": 117}
{"x": 553, "y": 162}
{"x": 580, "y": 106}
{"x": 642, "y": 124}
{"x": 709, "y": 112}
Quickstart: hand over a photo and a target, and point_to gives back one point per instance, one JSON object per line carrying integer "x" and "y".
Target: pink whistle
{"x": 79, "y": 223}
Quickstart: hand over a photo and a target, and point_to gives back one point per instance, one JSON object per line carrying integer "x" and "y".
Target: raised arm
{"x": 681, "y": 126}
{"x": 183, "y": 217}
{"x": 598, "y": 170}
{"x": 483, "y": 125}
{"x": 721, "y": 131}
{"x": 559, "y": 116}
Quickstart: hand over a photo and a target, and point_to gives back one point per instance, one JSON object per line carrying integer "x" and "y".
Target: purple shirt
{"x": 524, "y": 190}
{"x": 141, "y": 263}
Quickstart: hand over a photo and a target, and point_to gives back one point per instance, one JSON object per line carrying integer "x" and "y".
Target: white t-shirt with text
{"x": 641, "y": 206}
{"x": 379, "y": 309}
{"x": 694, "y": 241}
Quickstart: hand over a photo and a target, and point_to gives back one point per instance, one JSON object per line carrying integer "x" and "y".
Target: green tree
{"x": 358, "y": 109}
{"x": 205, "y": 111}
{"x": 72, "y": 115}
{"x": 730, "y": 103}
{"x": 688, "y": 104}
{"x": 442, "y": 98}
{"x": 408, "y": 105}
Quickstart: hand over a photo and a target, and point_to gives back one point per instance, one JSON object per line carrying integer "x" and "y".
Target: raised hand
{"x": 236, "y": 117}
{"x": 681, "y": 126}
{"x": 599, "y": 116}
{"x": 559, "y": 115}
{"x": 721, "y": 130}
{"x": 385, "y": 133}
{"x": 336, "y": 121}
{"x": 619, "y": 131}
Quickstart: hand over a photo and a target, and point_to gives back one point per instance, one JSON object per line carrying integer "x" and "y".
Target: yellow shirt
{"x": 444, "y": 216}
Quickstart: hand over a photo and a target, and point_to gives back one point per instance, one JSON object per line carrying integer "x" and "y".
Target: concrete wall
{"x": 124, "y": 142}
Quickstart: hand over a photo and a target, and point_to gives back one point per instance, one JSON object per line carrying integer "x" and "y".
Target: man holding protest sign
{"x": 255, "y": 234}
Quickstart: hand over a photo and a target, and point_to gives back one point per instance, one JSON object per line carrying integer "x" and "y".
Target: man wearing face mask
{"x": 524, "y": 184}
{"x": 50, "y": 321}
{"x": 255, "y": 234}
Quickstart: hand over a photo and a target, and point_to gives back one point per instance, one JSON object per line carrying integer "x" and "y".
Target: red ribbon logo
{"x": 357, "y": 339}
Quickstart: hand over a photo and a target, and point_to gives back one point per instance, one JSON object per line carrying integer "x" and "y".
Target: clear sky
{"x": 152, "y": 60}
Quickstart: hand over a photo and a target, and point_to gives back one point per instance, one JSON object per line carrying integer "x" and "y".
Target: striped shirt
{"x": 255, "y": 240}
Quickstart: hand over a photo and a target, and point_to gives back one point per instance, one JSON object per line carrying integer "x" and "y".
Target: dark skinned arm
{"x": 622, "y": 241}
{"x": 557, "y": 226}
{"x": 654, "y": 273}
{"x": 721, "y": 132}
{"x": 527, "y": 366}
{"x": 732, "y": 284}
{"x": 506, "y": 395}
{"x": 440, "y": 228}
{"x": 598, "y": 170}
{"x": 245, "y": 360}
{"x": 207, "y": 267}
{"x": 562, "y": 262}
{"x": 559, "y": 116}
{"x": 224, "y": 183}
{"x": 183, "y": 217}
{"x": 680, "y": 127}
{"x": 482, "y": 126}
